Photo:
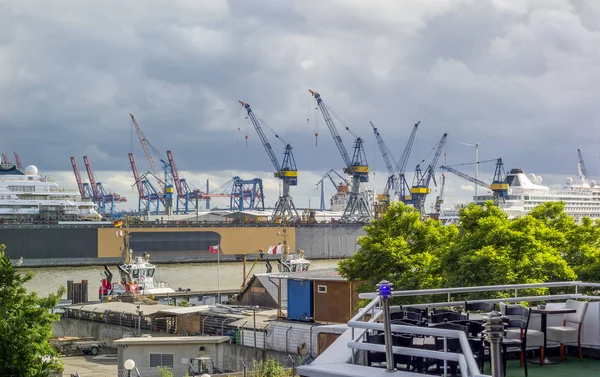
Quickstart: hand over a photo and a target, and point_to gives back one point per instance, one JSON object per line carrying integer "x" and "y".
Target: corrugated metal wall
{"x": 329, "y": 242}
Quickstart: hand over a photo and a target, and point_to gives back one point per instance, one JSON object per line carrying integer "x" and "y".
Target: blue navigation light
{"x": 385, "y": 289}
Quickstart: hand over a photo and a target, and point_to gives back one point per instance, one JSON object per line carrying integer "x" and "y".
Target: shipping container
{"x": 300, "y": 300}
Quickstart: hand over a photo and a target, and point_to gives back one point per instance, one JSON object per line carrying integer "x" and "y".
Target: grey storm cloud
{"x": 523, "y": 74}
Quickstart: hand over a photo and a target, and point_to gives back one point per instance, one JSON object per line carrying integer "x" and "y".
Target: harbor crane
{"x": 420, "y": 188}
{"x": 149, "y": 198}
{"x": 285, "y": 210}
{"x": 357, "y": 209}
{"x": 337, "y": 187}
{"x": 439, "y": 200}
{"x": 582, "y": 164}
{"x": 499, "y": 185}
{"x": 396, "y": 180}
{"x": 5, "y": 159}
{"x": 101, "y": 195}
{"x": 18, "y": 161}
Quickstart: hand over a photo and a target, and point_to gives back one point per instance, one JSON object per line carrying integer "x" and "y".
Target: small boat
{"x": 137, "y": 274}
{"x": 293, "y": 262}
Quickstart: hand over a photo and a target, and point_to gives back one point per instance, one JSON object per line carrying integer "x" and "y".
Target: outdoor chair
{"x": 566, "y": 334}
{"x": 518, "y": 330}
{"x": 447, "y": 317}
{"x": 479, "y": 307}
{"x": 375, "y": 357}
{"x": 453, "y": 344}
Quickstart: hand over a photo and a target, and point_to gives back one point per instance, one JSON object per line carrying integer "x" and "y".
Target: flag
{"x": 270, "y": 250}
{"x": 213, "y": 249}
{"x": 277, "y": 249}
{"x": 118, "y": 223}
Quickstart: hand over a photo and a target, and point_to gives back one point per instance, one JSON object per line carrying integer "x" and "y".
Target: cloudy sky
{"x": 523, "y": 75}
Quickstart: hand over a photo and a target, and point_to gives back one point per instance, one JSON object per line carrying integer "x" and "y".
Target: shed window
{"x": 322, "y": 288}
{"x": 161, "y": 360}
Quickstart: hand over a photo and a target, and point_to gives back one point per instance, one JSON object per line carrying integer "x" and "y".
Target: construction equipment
{"x": 420, "y": 188}
{"x": 357, "y": 209}
{"x": 582, "y": 164}
{"x": 149, "y": 198}
{"x": 343, "y": 182}
{"x": 247, "y": 195}
{"x": 499, "y": 185}
{"x": 439, "y": 200}
{"x": 285, "y": 210}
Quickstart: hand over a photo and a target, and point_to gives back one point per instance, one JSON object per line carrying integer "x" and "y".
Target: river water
{"x": 196, "y": 276}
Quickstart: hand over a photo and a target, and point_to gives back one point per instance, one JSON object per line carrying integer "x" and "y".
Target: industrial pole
{"x": 494, "y": 331}
{"x": 385, "y": 293}
{"x": 254, "y": 315}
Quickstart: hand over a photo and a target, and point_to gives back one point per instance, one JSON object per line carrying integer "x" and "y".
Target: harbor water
{"x": 195, "y": 276}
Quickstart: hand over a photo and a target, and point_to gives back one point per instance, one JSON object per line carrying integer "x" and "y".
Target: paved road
{"x": 102, "y": 365}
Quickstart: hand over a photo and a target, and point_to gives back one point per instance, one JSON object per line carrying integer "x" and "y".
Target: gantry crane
{"x": 357, "y": 209}
{"x": 499, "y": 185}
{"x": 285, "y": 210}
{"x": 420, "y": 188}
{"x": 149, "y": 198}
{"x": 337, "y": 187}
{"x": 582, "y": 164}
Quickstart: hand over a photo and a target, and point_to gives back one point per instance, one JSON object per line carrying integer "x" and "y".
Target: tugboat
{"x": 137, "y": 273}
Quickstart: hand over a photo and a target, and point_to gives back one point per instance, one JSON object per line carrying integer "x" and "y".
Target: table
{"x": 544, "y": 312}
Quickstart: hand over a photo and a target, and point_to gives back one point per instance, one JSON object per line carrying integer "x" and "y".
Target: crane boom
{"x": 262, "y": 136}
{"x": 90, "y": 174}
{"x": 336, "y": 136}
{"x": 431, "y": 168}
{"x": 4, "y": 159}
{"x": 78, "y": 177}
{"x": 145, "y": 145}
{"x": 18, "y": 161}
{"x": 136, "y": 176}
{"x": 385, "y": 152}
{"x": 582, "y": 164}
{"x": 465, "y": 176}
{"x": 401, "y": 165}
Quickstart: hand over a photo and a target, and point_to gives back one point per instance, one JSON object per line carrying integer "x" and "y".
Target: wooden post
{"x": 244, "y": 276}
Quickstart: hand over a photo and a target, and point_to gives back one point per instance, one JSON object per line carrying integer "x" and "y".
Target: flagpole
{"x": 218, "y": 274}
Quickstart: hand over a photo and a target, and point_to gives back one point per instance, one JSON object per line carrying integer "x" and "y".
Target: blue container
{"x": 300, "y": 300}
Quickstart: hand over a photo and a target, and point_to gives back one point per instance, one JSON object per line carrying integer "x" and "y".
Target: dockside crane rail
{"x": 582, "y": 164}
{"x": 285, "y": 210}
{"x": 421, "y": 189}
{"x": 357, "y": 209}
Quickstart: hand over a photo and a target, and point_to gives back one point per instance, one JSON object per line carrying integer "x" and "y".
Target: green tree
{"x": 25, "y": 326}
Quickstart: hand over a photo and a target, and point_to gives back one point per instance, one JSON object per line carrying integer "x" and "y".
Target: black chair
{"x": 452, "y": 344}
{"x": 405, "y": 322}
{"x": 449, "y": 316}
{"x": 375, "y": 357}
{"x": 518, "y": 330}
{"x": 481, "y": 307}
{"x": 411, "y": 309}
{"x": 402, "y": 340}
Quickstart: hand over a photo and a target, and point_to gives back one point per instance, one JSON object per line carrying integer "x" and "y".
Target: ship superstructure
{"x": 28, "y": 196}
{"x": 580, "y": 195}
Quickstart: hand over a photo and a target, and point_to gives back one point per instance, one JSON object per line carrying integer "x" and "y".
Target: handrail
{"x": 430, "y": 331}
{"x": 485, "y": 288}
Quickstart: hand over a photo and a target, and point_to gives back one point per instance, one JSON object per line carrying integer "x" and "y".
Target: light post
{"x": 385, "y": 293}
{"x": 129, "y": 365}
{"x": 140, "y": 313}
{"x": 494, "y": 331}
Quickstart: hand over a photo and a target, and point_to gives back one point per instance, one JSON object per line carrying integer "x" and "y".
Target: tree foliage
{"x": 25, "y": 326}
{"x": 485, "y": 248}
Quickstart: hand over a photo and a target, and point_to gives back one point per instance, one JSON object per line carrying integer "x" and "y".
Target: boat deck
{"x": 571, "y": 367}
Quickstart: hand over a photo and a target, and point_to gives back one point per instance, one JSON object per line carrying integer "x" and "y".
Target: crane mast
{"x": 499, "y": 186}
{"x": 421, "y": 189}
{"x": 439, "y": 200}
{"x": 18, "y": 161}
{"x": 285, "y": 210}
{"x": 357, "y": 209}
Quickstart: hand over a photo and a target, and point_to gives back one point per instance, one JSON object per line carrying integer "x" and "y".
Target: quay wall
{"x": 70, "y": 245}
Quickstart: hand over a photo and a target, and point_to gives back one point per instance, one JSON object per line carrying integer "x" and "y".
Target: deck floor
{"x": 571, "y": 367}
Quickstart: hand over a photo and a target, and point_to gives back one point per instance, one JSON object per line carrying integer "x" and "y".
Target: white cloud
{"x": 467, "y": 188}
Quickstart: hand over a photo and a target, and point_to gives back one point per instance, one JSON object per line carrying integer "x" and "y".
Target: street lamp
{"x": 129, "y": 365}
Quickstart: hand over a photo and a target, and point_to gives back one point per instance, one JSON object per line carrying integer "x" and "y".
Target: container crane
{"x": 103, "y": 196}
{"x": 78, "y": 179}
{"x": 357, "y": 209}
{"x": 337, "y": 187}
{"x": 499, "y": 185}
{"x": 149, "y": 198}
{"x": 5, "y": 159}
{"x": 582, "y": 164}
{"x": 420, "y": 188}
{"x": 167, "y": 195}
{"x": 285, "y": 210}
{"x": 18, "y": 161}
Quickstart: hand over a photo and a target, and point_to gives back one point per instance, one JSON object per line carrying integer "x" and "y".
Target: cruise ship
{"x": 26, "y": 196}
{"x": 580, "y": 195}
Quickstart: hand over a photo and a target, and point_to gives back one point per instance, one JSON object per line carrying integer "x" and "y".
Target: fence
{"x": 155, "y": 372}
